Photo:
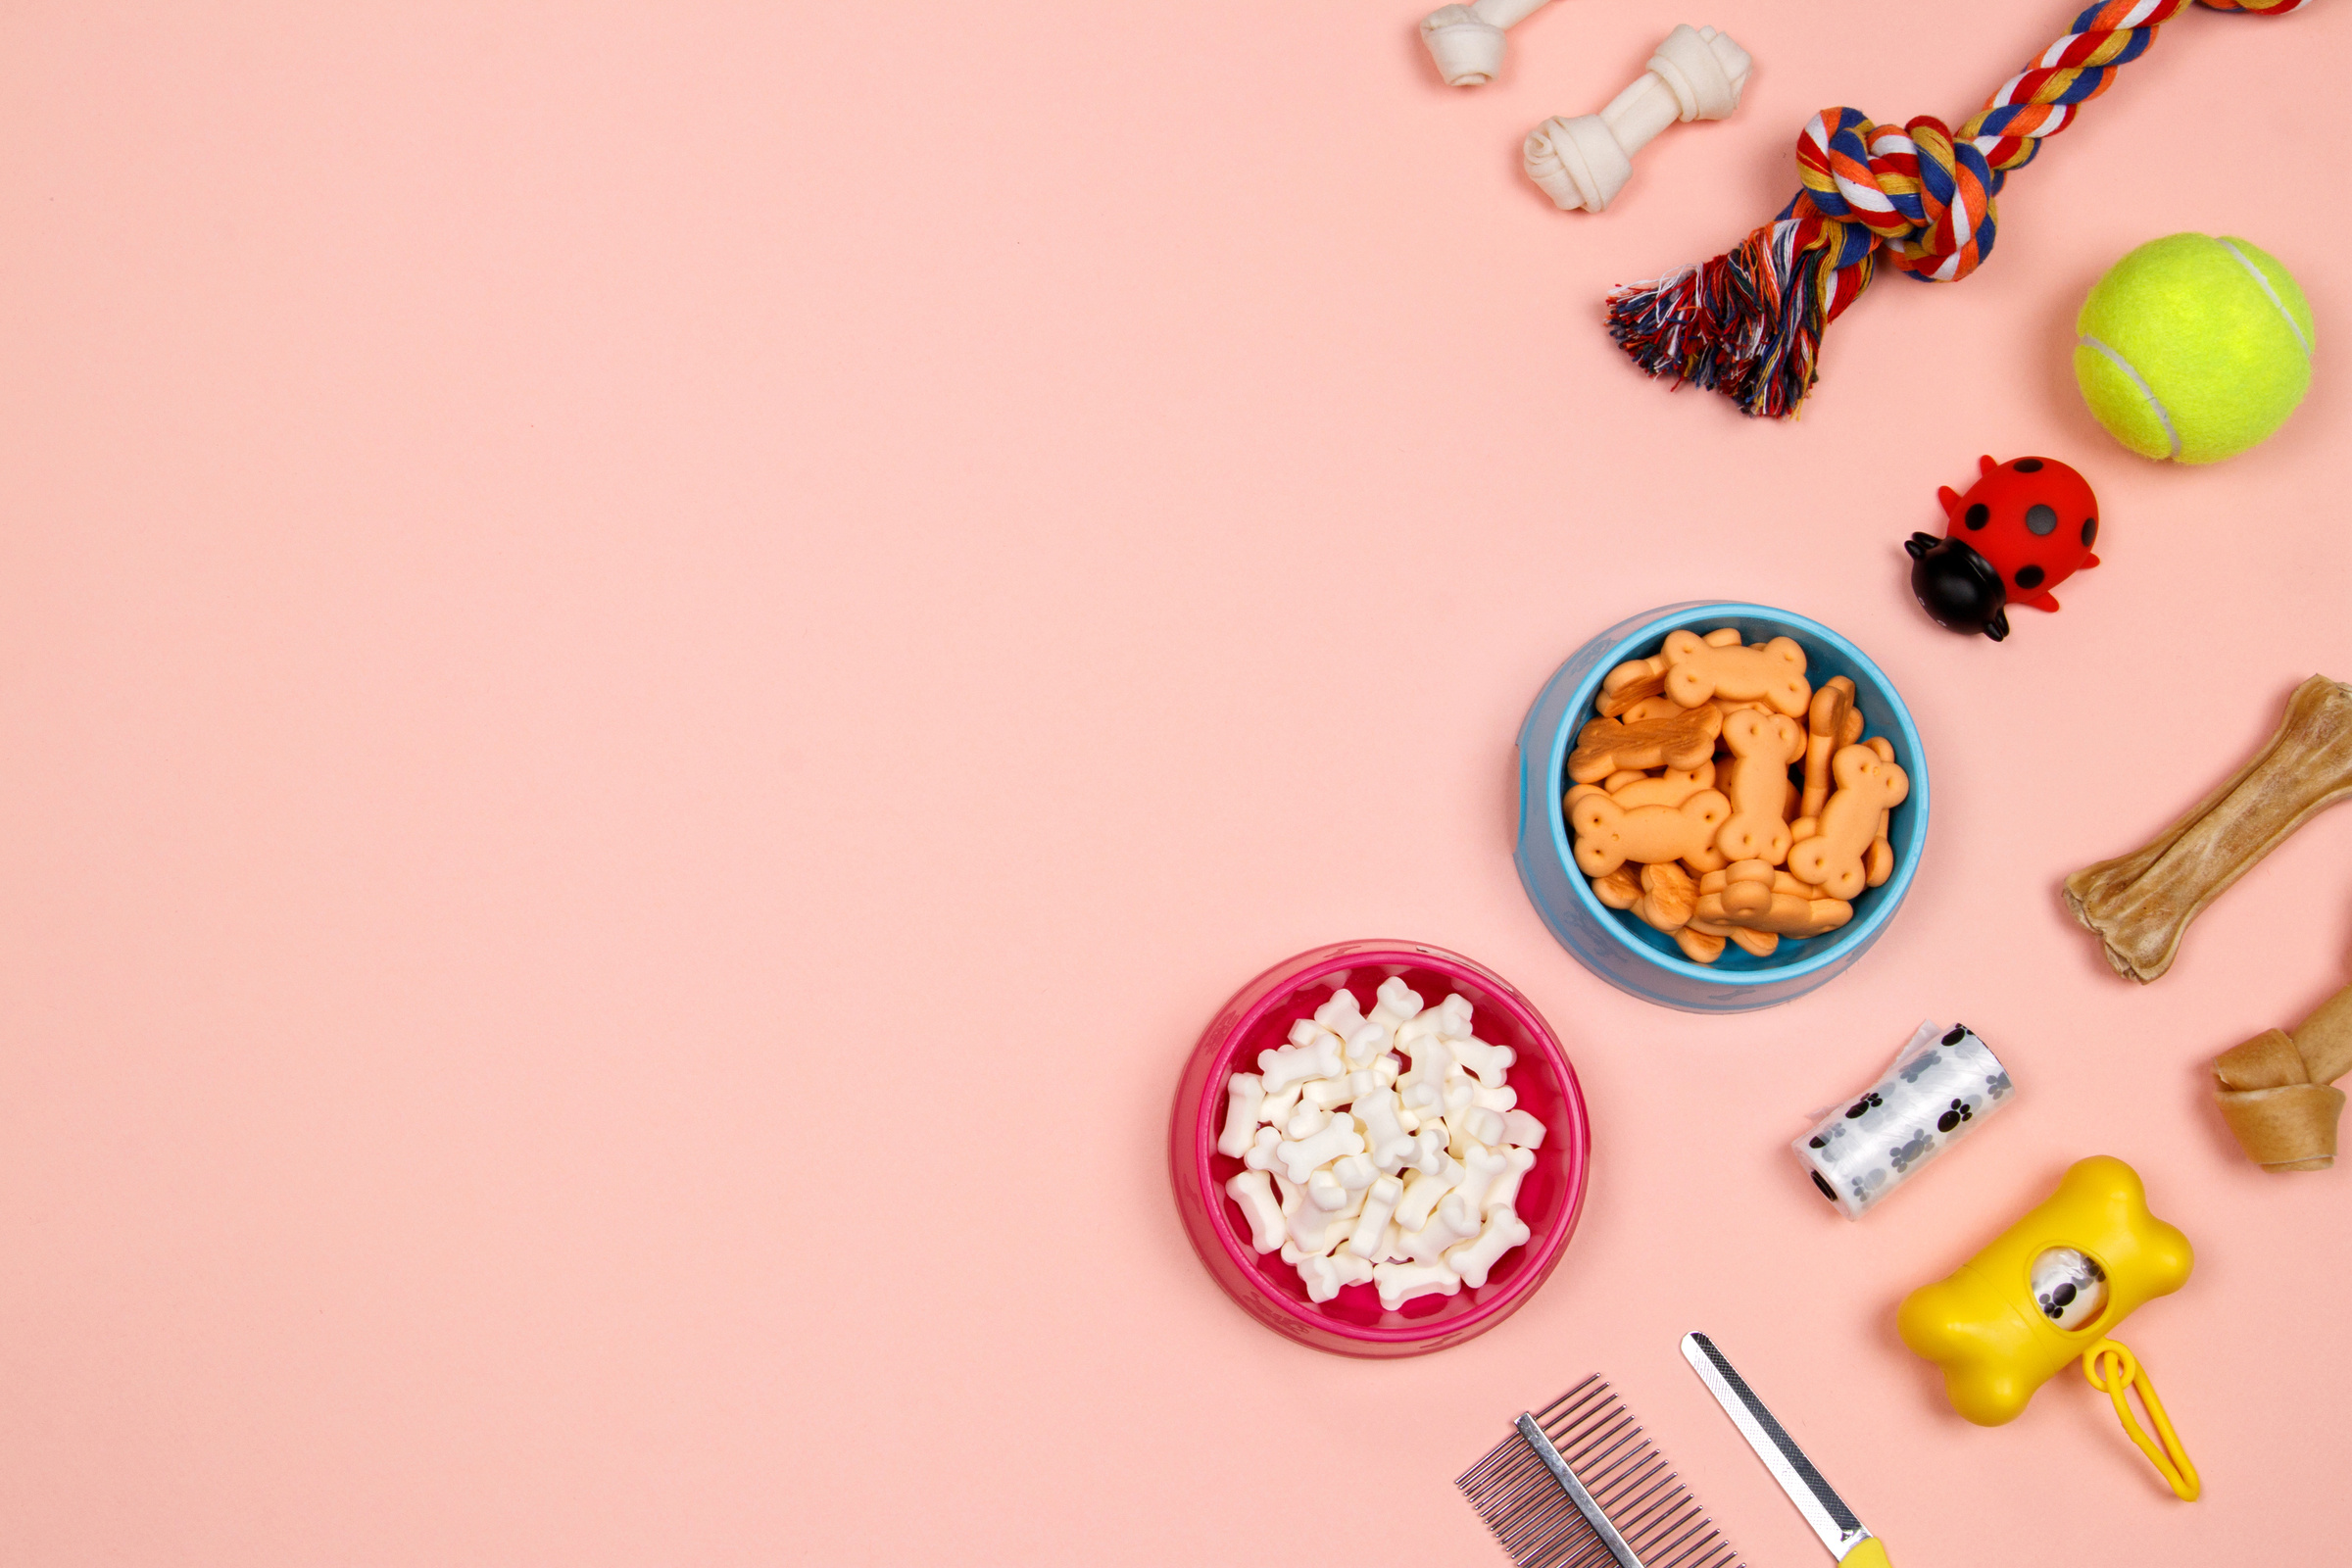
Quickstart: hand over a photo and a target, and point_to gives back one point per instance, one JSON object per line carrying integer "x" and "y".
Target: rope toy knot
{"x": 1918, "y": 196}
{"x": 1922, "y": 194}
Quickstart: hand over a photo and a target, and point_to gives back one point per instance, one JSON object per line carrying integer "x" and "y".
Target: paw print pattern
{"x": 1961, "y": 1111}
{"x": 1954, "y": 1035}
{"x": 1908, "y": 1154}
{"x": 1864, "y": 1107}
{"x": 1919, "y": 1068}
{"x": 1997, "y": 1084}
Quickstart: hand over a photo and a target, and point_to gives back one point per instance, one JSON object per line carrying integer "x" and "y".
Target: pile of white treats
{"x": 1365, "y": 1171}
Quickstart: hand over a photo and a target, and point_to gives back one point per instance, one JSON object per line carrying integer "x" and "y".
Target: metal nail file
{"x": 1831, "y": 1520}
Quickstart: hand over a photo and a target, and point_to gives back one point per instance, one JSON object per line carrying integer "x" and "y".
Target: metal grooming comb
{"x": 1578, "y": 1486}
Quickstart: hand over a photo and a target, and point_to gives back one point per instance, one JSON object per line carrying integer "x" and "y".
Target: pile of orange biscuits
{"x": 1719, "y": 798}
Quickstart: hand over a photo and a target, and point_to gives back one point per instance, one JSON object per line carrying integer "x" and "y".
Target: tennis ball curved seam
{"x": 2263, "y": 278}
{"x": 2155, "y": 403}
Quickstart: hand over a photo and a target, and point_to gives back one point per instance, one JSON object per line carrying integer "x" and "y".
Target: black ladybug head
{"x": 1957, "y": 587}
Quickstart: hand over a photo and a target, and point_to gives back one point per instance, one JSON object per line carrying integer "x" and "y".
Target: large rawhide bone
{"x": 2140, "y": 904}
{"x": 2274, "y": 1090}
{"x": 1466, "y": 42}
{"x": 1698, "y": 74}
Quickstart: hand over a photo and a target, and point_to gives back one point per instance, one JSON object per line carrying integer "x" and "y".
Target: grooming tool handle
{"x": 1867, "y": 1553}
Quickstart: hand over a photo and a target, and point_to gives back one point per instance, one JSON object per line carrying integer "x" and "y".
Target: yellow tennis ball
{"x": 2193, "y": 348}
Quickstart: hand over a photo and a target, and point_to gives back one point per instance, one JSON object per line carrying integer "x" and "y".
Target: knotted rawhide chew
{"x": 2275, "y": 1090}
{"x": 1749, "y": 323}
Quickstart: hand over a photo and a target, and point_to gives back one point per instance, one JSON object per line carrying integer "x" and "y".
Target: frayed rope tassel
{"x": 1750, "y": 322}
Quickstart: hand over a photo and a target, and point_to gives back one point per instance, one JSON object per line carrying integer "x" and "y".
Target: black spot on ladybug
{"x": 2041, "y": 520}
{"x": 2030, "y": 576}
{"x": 2027, "y": 464}
{"x": 1978, "y": 515}
{"x": 1956, "y": 1034}
{"x": 2090, "y": 529}
{"x": 1824, "y": 1186}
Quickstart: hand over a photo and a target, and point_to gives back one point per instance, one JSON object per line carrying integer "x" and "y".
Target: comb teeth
{"x": 1540, "y": 1523}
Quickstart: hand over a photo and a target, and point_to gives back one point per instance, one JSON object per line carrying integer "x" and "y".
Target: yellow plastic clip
{"x": 2122, "y": 1371}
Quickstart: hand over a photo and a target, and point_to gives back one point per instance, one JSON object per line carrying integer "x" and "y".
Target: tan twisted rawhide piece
{"x": 2140, "y": 904}
{"x": 2274, "y": 1090}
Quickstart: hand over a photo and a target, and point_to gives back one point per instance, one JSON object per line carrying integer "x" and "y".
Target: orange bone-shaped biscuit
{"x": 1697, "y": 669}
{"x": 1878, "y": 864}
{"x": 1831, "y": 721}
{"x": 1668, "y": 893}
{"x": 1785, "y": 916}
{"x": 1749, "y": 886}
{"x": 1758, "y": 788}
{"x": 1607, "y": 835}
{"x": 1606, "y": 747}
{"x": 1699, "y": 947}
{"x": 1832, "y": 857}
{"x": 1647, "y": 677}
{"x": 1620, "y": 889}
{"x": 1631, "y": 789}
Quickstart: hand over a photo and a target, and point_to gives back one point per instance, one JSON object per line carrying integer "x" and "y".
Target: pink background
{"x": 655, "y": 662}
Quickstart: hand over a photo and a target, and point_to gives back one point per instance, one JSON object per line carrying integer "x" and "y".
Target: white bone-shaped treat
{"x": 1454, "y": 1018}
{"x": 1260, "y": 1156}
{"x": 1300, "y": 1156}
{"x": 1496, "y": 1101}
{"x": 1504, "y": 1193}
{"x": 1400, "y": 1283}
{"x": 1385, "y": 1070}
{"x": 1323, "y": 1190}
{"x": 1433, "y": 1059}
{"x": 1245, "y": 1091}
{"x": 1355, "y": 1174}
{"x": 1481, "y": 1167}
{"x": 1466, "y": 42}
{"x": 1366, "y": 1042}
{"x": 1461, "y": 1093}
{"x": 1698, "y": 74}
{"x": 1275, "y": 1109}
{"x": 1455, "y": 1222}
{"x": 1385, "y": 1137}
{"x": 1476, "y": 1259}
{"x": 1290, "y": 1066}
{"x": 1255, "y": 1194}
{"x": 1422, "y": 1191}
{"x": 1394, "y": 1004}
{"x": 1328, "y": 1093}
{"x": 1324, "y": 1276}
{"x": 1306, "y": 1032}
{"x": 1522, "y": 1128}
{"x": 1479, "y": 1124}
{"x": 1314, "y": 1231}
{"x": 1392, "y": 1245}
{"x": 1372, "y": 1220}
{"x": 1429, "y": 1147}
{"x": 1305, "y": 1122}
{"x": 1484, "y": 1061}
{"x": 1340, "y": 1015}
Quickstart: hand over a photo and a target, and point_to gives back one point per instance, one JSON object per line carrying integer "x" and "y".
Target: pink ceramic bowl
{"x": 1353, "y": 1323}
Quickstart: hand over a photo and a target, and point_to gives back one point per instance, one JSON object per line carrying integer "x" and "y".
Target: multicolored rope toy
{"x": 1749, "y": 325}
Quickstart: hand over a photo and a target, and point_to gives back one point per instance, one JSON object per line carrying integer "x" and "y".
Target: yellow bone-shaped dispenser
{"x": 1984, "y": 1326}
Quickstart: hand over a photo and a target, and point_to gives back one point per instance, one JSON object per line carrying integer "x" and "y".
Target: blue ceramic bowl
{"x": 1612, "y": 943}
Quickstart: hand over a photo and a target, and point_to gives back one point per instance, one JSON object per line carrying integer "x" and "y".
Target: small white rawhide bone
{"x": 1698, "y": 74}
{"x": 2141, "y": 902}
{"x": 1466, "y": 42}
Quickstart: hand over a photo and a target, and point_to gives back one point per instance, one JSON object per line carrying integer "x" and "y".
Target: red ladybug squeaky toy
{"x": 2023, "y": 528}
